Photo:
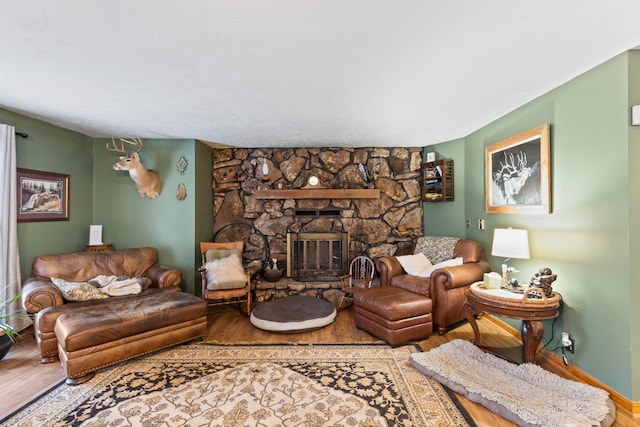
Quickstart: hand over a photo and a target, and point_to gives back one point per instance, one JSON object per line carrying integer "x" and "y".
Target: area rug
{"x": 525, "y": 394}
{"x": 212, "y": 385}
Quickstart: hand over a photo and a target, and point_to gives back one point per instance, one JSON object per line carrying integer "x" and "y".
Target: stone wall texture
{"x": 371, "y": 223}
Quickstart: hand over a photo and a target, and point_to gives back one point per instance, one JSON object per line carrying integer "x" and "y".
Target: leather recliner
{"x": 447, "y": 286}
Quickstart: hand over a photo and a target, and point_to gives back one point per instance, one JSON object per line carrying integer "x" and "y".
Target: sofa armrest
{"x": 388, "y": 267}
{"x": 163, "y": 276}
{"x": 38, "y": 294}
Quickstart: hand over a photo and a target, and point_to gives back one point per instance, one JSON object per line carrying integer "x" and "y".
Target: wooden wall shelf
{"x": 320, "y": 193}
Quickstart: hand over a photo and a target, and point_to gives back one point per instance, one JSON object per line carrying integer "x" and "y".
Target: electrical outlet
{"x": 567, "y": 342}
{"x": 468, "y": 223}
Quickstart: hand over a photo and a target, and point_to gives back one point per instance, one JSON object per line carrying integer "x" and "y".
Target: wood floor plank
{"x": 22, "y": 376}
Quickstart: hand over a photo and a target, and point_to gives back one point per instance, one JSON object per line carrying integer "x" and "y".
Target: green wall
{"x": 588, "y": 239}
{"x": 53, "y": 149}
{"x": 169, "y": 225}
{"x": 101, "y": 195}
{"x": 203, "y": 205}
{"x": 448, "y": 218}
{"x": 634, "y": 227}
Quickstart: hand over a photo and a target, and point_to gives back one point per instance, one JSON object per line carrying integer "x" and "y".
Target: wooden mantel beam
{"x": 320, "y": 193}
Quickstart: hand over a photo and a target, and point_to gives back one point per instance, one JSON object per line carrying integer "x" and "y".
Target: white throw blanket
{"x": 116, "y": 285}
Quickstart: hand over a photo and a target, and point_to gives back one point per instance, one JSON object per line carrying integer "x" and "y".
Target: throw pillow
{"x": 414, "y": 265}
{"x": 436, "y": 248}
{"x": 225, "y": 273}
{"x": 213, "y": 254}
{"x": 78, "y": 291}
{"x": 448, "y": 263}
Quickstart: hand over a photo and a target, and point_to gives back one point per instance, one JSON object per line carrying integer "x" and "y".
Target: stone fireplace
{"x": 364, "y": 193}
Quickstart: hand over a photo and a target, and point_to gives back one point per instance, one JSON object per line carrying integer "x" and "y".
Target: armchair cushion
{"x": 225, "y": 273}
{"x": 448, "y": 263}
{"x": 213, "y": 254}
{"x": 415, "y": 265}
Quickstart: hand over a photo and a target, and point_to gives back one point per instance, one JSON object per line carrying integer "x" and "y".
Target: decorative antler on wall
{"x": 148, "y": 182}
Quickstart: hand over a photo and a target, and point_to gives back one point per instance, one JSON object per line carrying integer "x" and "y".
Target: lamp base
{"x": 505, "y": 275}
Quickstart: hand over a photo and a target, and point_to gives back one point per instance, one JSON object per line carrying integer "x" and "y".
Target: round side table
{"x": 504, "y": 303}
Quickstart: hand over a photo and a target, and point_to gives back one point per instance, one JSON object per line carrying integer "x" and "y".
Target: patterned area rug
{"x": 212, "y": 385}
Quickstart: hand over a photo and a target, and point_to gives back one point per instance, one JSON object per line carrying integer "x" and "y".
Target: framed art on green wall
{"x": 517, "y": 175}
{"x": 42, "y": 196}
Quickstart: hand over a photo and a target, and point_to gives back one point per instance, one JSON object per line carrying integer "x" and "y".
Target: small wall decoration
{"x": 517, "y": 174}
{"x": 42, "y": 196}
{"x": 181, "y": 165}
{"x": 181, "y": 193}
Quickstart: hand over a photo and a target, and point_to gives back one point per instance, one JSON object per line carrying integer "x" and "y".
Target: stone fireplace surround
{"x": 372, "y": 223}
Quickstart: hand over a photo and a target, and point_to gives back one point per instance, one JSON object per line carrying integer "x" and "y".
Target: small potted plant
{"x": 7, "y": 334}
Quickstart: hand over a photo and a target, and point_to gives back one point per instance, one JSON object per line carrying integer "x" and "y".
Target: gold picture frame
{"x": 42, "y": 196}
{"x": 517, "y": 173}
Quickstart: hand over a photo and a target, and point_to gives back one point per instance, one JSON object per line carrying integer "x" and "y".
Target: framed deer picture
{"x": 42, "y": 196}
{"x": 517, "y": 176}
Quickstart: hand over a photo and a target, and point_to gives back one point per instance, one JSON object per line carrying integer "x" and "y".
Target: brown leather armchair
{"x": 446, "y": 285}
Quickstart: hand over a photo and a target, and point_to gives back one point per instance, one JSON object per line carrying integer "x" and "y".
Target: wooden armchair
{"x": 224, "y": 278}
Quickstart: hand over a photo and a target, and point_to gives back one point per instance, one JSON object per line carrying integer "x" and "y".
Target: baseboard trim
{"x": 554, "y": 363}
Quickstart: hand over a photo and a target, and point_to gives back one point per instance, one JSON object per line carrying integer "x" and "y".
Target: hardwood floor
{"x": 23, "y": 378}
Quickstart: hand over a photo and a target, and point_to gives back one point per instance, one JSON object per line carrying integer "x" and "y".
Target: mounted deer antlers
{"x": 148, "y": 182}
{"x": 136, "y": 142}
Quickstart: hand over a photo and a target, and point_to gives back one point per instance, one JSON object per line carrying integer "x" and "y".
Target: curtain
{"x": 10, "y": 281}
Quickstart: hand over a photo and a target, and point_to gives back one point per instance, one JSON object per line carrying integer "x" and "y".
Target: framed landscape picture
{"x": 517, "y": 174}
{"x": 42, "y": 196}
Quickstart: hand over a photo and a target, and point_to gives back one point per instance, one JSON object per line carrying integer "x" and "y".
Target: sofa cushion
{"x": 415, "y": 265}
{"x": 78, "y": 291}
{"x": 436, "y": 248}
{"x": 225, "y": 273}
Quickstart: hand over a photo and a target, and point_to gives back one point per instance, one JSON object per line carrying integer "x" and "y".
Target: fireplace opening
{"x": 317, "y": 256}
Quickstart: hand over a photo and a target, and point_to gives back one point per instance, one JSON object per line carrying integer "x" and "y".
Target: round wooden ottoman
{"x": 295, "y": 313}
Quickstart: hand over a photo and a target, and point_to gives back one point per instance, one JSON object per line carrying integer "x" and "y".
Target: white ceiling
{"x": 273, "y": 73}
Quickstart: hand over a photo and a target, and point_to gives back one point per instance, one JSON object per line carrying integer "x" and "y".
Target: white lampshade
{"x": 510, "y": 243}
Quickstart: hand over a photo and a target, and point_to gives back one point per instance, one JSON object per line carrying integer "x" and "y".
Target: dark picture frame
{"x": 517, "y": 173}
{"x": 42, "y": 196}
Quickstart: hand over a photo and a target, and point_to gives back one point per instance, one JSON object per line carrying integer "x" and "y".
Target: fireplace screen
{"x": 317, "y": 256}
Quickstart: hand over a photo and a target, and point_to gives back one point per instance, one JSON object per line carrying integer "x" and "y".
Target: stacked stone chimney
{"x": 371, "y": 223}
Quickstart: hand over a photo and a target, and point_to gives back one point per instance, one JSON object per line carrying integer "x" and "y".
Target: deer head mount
{"x": 148, "y": 182}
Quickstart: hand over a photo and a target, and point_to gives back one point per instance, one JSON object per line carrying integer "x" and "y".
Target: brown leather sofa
{"x": 446, "y": 286}
{"x": 44, "y": 300}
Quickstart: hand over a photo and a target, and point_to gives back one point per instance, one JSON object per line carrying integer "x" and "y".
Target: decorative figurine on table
{"x": 543, "y": 280}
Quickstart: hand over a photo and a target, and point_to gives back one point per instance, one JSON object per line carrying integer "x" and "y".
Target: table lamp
{"x": 509, "y": 243}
